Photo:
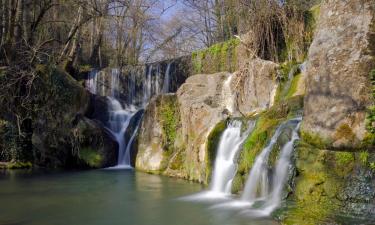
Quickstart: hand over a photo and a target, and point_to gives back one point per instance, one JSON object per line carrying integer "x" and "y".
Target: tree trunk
{"x": 18, "y": 23}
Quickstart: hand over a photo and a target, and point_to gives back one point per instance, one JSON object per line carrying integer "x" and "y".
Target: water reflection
{"x": 101, "y": 197}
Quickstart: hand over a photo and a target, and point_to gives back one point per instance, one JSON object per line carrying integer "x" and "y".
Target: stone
{"x": 255, "y": 86}
{"x": 339, "y": 62}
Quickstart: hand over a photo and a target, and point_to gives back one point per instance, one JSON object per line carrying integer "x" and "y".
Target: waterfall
{"x": 258, "y": 187}
{"x": 92, "y": 81}
{"x": 119, "y": 119}
{"x": 281, "y": 173}
{"x": 115, "y": 81}
{"x": 122, "y": 112}
{"x": 147, "y": 86}
{"x": 226, "y": 162}
{"x": 166, "y": 79}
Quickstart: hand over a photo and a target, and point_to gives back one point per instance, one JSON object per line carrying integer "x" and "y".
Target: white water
{"x": 119, "y": 119}
{"x": 115, "y": 81}
{"x": 119, "y": 115}
{"x": 256, "y": 187}
{"x": 281, "y": 173}
{"x": 92, "y": 81}
{"x": 167, "y": 79}
{"x": 226, "y": 161}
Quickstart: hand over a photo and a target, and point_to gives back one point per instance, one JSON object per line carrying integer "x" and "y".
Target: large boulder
{"x": 175, "y": 128}
{"x": 338, "y": 82}
{"x": 255, "y": 85}
{"x": 62, "y": 136}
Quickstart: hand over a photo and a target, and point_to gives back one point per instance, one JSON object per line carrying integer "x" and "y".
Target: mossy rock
{"x": 330, "y": 184}
{"x": 15, "y": 165}
{"x": 91, "y": 157}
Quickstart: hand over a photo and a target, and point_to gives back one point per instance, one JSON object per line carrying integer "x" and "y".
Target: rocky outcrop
{"x": 62, "y": 136}
{"x": 338, "y": 83}
{"x": 201, "y": 103}
{"x": 189, "y": 116}
{"x": 255, "y": 85}
{"x": 157, "y": 135}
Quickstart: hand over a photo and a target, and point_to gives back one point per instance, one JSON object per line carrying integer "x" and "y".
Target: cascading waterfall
{"x": 267, "y": 193}
{"x": 92, "y": 81}
{"x": 115, "y": 81}
{"x": 258, "y": 187}
{"x": 119, "y": 119}
{"x": 225, "y": 163}
{"x": 120, "y": 115}
{"x": 281, "y": 173}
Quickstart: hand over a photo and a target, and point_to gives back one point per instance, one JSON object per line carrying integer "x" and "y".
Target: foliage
{"x": 371, "y": 110}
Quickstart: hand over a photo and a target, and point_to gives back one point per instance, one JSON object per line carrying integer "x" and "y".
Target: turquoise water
{"x": 106, "y": 197}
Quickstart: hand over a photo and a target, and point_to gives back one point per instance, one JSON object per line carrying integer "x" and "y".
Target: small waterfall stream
{"x": 226, "y": 161}
{"x": 258, "y": 188}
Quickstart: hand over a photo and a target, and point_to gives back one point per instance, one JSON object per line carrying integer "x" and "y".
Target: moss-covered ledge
{"x": 331, "y": 187}
{"x": 217, "y": 58}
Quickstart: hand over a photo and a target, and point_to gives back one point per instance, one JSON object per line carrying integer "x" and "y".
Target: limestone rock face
{"x": 151, "y": 147}
{"x": 339, "y": 61}
{"x": 203, "y": 101}
{"x": 255, "y": 85}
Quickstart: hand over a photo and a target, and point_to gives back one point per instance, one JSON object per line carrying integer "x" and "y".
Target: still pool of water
{"x": 106, "y": 197}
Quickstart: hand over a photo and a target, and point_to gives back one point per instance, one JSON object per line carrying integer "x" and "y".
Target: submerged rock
{"x": 338, "y": 82}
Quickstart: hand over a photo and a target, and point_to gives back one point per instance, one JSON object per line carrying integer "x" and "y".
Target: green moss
{"x": 212, "y": 145}
{"x": 169, "y": 116}
{"x": 314, "y": 139}
{"x": 85, "y": 68}
{"x": 286, "y": 87}
{"x": 90, "y": 157}
{"x": 217, "y": 58}
{"x": 370, "y": 124}
{"x": 293, "y": 86}
{"x": 364, "y": 157}
{"x": 344, "y": 162}
{"x": 316, "y": 189}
